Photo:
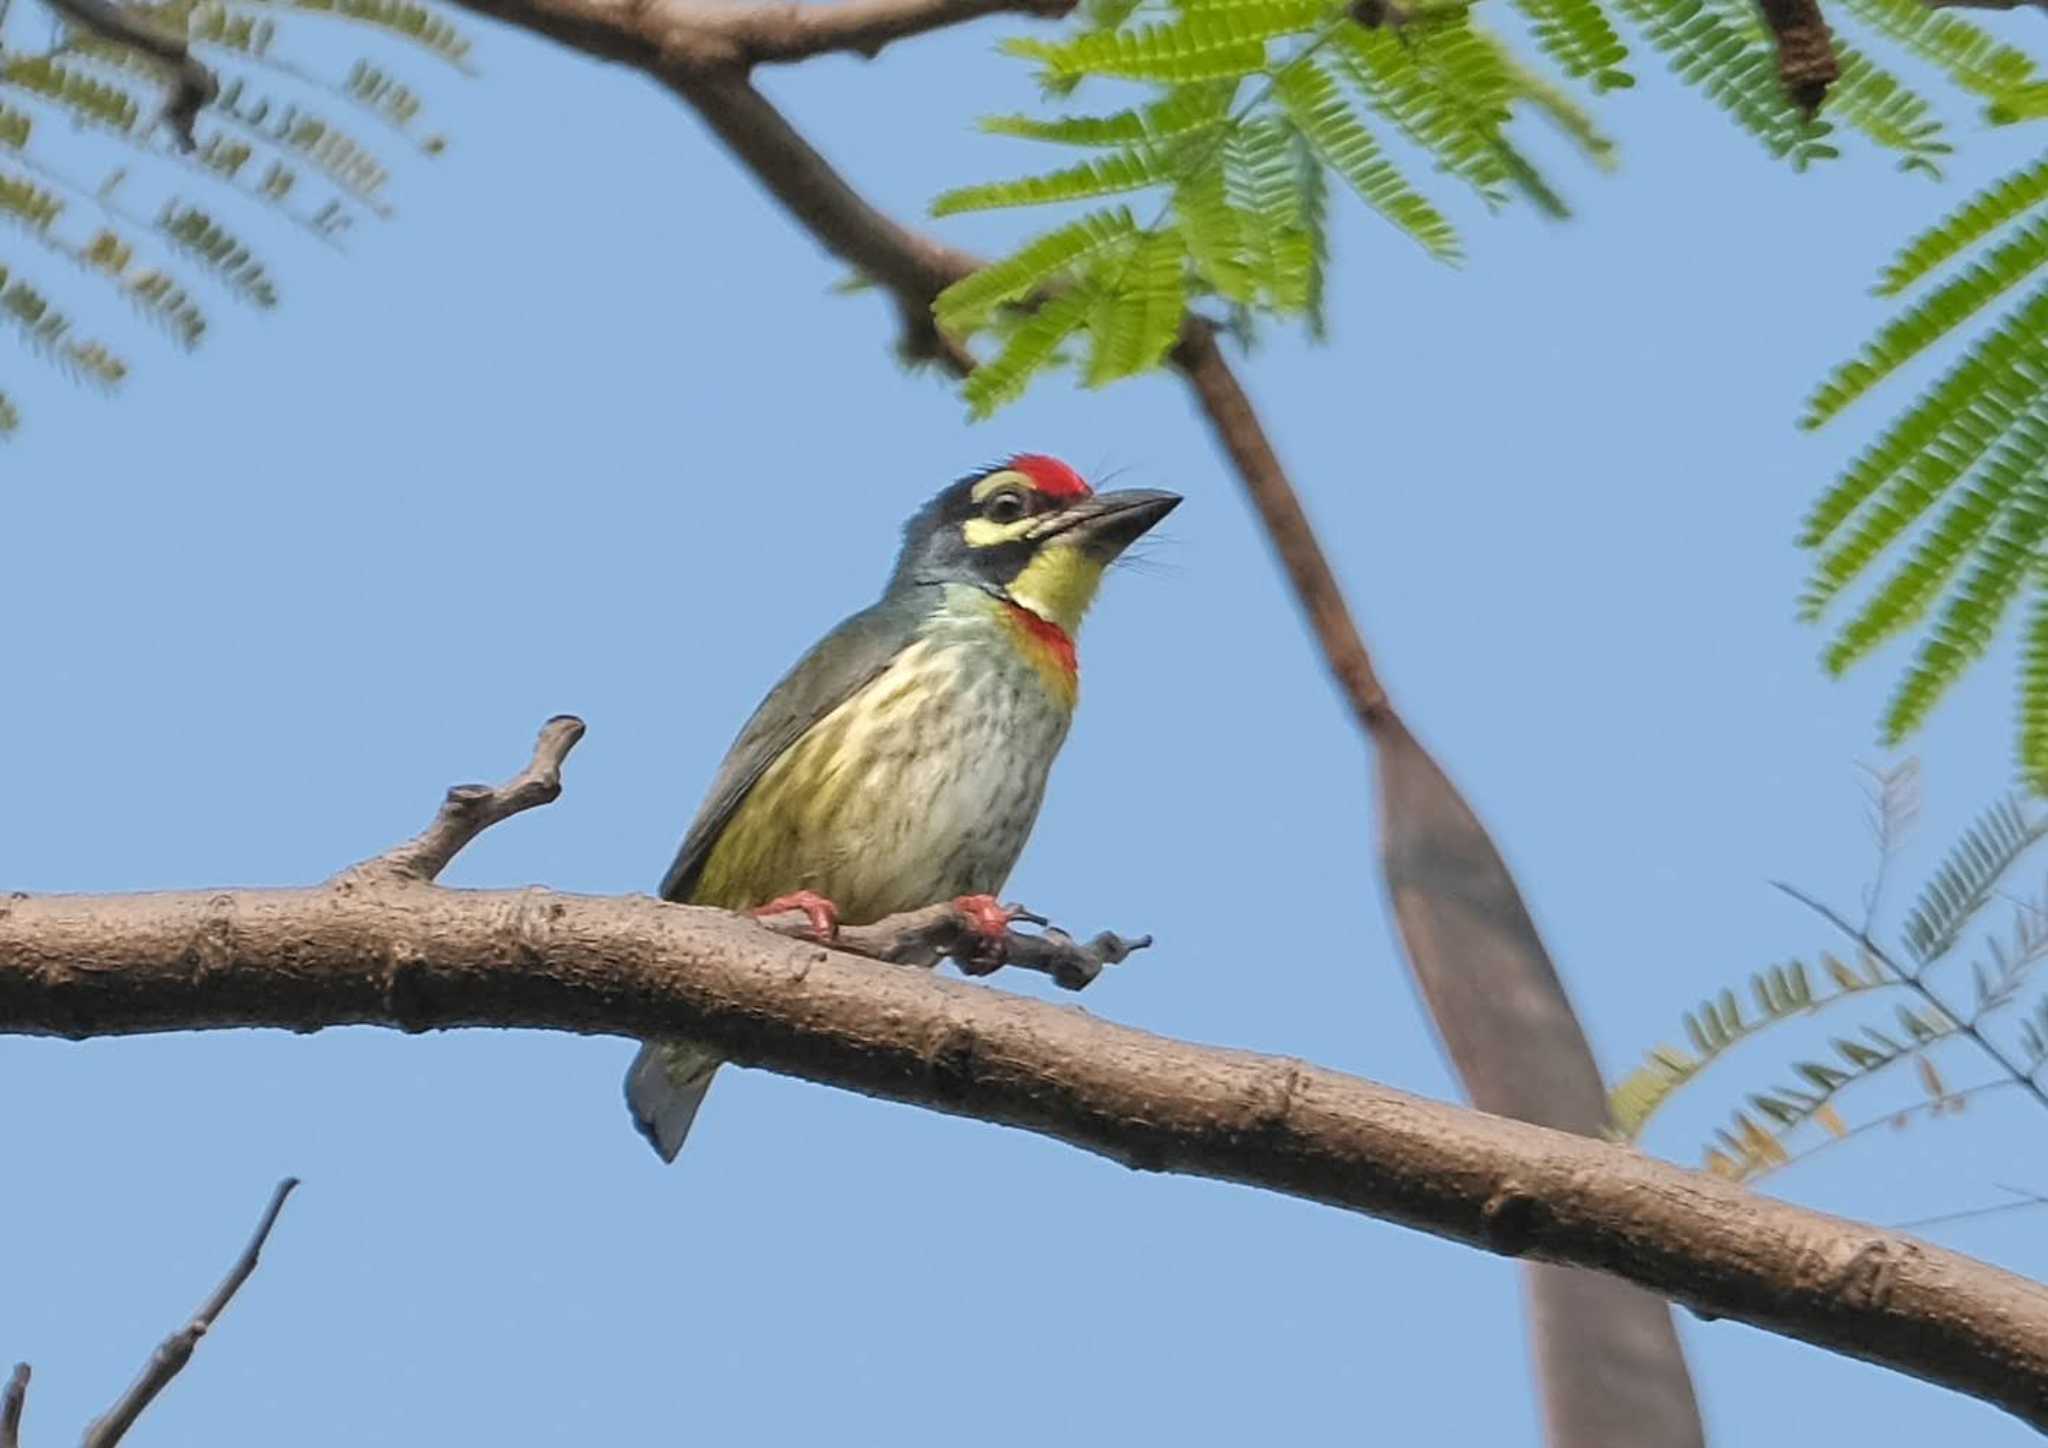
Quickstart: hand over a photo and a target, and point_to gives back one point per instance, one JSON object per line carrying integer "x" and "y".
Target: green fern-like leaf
{"x": 1719, "y": 1025}
{"x": 1976, "y": 219}
{"x": 1215, "y": 232}
{"x": 1185, "y": 112}
{"x": 1963, "y": 883}
{"x": 29, "y": 205}
{"x": 380, "y": 93}
{"x": 2034, "y": 697}
{"x": 1141, "y": 314}
{"x": 1566, "y": 114}
{"x": 324, "y": 147}
{"x": 969, "y": 301}
{"x": 51, "y": 335}
{"x": 199, "y": 236}
{"x": 1203, "y": 45}
{"x": 1969, "y": 55}
{"x": 1728, "y": 56}
{"x": 1745, "y": 1150}
{"x": 1578, "y": 36}
{"x": 15, "y": 127}
{"x": 1975, "y": 609}
{"x": 403, "y": 18}
{"x": 10, "y": 416}
{"x": 1311, "y": 186}
{"x": 1461, "y": 131}
{"x": 1460, "y": 89}
{"x": 159, "y": 298}
{"x": 1930, "y": 319}
{"x": 2026, "y": 103}
{"x": 1031, "y": 347}
{"x": 1122, "y": 171}
{"x": 235, "y": 30}
{"x": 1894, "y": 117}
{"x": 1939, "y": 438}
{"x": 1262, "y": 180}
{"x": 72, "y": 89}
{"x": 1906, "y": 596}
{"x": 1348, "y": 148}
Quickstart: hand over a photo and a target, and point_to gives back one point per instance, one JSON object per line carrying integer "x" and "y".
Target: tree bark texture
{"x": 414, "y": 956}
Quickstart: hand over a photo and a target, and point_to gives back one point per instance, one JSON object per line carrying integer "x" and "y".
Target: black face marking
{"x": 936, "y": 550}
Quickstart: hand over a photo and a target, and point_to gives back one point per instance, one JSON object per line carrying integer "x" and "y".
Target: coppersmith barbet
{"x": 902, "y": 761}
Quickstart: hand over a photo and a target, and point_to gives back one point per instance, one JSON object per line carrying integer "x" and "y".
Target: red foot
{"x": 822, "y": 913}
{"x": 990, "y": 922}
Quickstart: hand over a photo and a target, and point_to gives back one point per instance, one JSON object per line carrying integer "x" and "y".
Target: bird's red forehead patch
{"x": 1051, "y": 476}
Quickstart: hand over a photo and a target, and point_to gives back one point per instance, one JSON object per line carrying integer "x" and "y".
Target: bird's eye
{"x": 1005, "y": 507}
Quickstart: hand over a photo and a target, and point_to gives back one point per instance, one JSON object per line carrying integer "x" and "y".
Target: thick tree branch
{"x": 420, "y": 957}
{"x": 674, "y": 40}
{"x": 1244, "y": 440}
{"x": 912, "y": 266}
{"x": 175, "y": 1351}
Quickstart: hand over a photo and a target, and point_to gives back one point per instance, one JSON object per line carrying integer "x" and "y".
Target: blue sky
{"x": 584, "y": 430}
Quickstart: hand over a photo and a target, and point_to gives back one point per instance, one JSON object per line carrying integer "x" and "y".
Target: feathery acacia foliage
{"x": 93, "y": 180}
{"x": 1955, "y": 484}
{"x": 1894, "y": 1011}
{"x": 1256, "y": 104}
{"x": 1255, "y": 108}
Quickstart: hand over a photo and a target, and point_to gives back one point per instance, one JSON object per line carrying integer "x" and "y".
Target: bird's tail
{"x": 664, "y": 1087}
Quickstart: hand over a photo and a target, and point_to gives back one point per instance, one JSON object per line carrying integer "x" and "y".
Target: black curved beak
{"x": 1104, "y": 524}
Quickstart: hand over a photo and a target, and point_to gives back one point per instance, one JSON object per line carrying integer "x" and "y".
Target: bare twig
{"x": 11, "y": 1401}
{"x": 176, "y": 1350}
{"x": 470, "y": 809}
{"x": 941, "y": 932}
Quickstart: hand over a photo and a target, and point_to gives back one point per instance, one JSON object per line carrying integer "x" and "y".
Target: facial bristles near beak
{"x": 1076, "y": 544}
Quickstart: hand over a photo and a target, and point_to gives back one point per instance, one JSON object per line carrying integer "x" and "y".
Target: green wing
{"x": 841, "y": 664}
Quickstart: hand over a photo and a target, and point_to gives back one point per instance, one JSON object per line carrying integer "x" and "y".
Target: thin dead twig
{"x": 176, "y": 1350}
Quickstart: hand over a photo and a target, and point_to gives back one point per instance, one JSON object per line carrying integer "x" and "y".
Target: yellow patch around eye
{"x": 985, "y": 533}
{"x": 1007, "y": 478}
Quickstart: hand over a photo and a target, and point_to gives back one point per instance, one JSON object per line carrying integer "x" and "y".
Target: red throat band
{"x": 1049, "y": 635}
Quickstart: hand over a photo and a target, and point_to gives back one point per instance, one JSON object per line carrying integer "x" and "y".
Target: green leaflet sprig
{"x": 1134, "y": 324}
{"x": 1579, "y": 37}
{"x": 1728, "y": 56}
{"x": 1133, "y": 170}
{"x": 1932, "y": 318}
{"x": 1321, "y": 114}
{"x": 1973, "y": 58}
{"x": 969, "y": 302}
{"x": 2034, "y": 697}
{"x": 1762, "y": 1134}
{"x": 279, "y": 156}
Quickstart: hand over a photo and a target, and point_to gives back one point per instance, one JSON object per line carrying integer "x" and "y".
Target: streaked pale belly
{"x": 923, "y": 786}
